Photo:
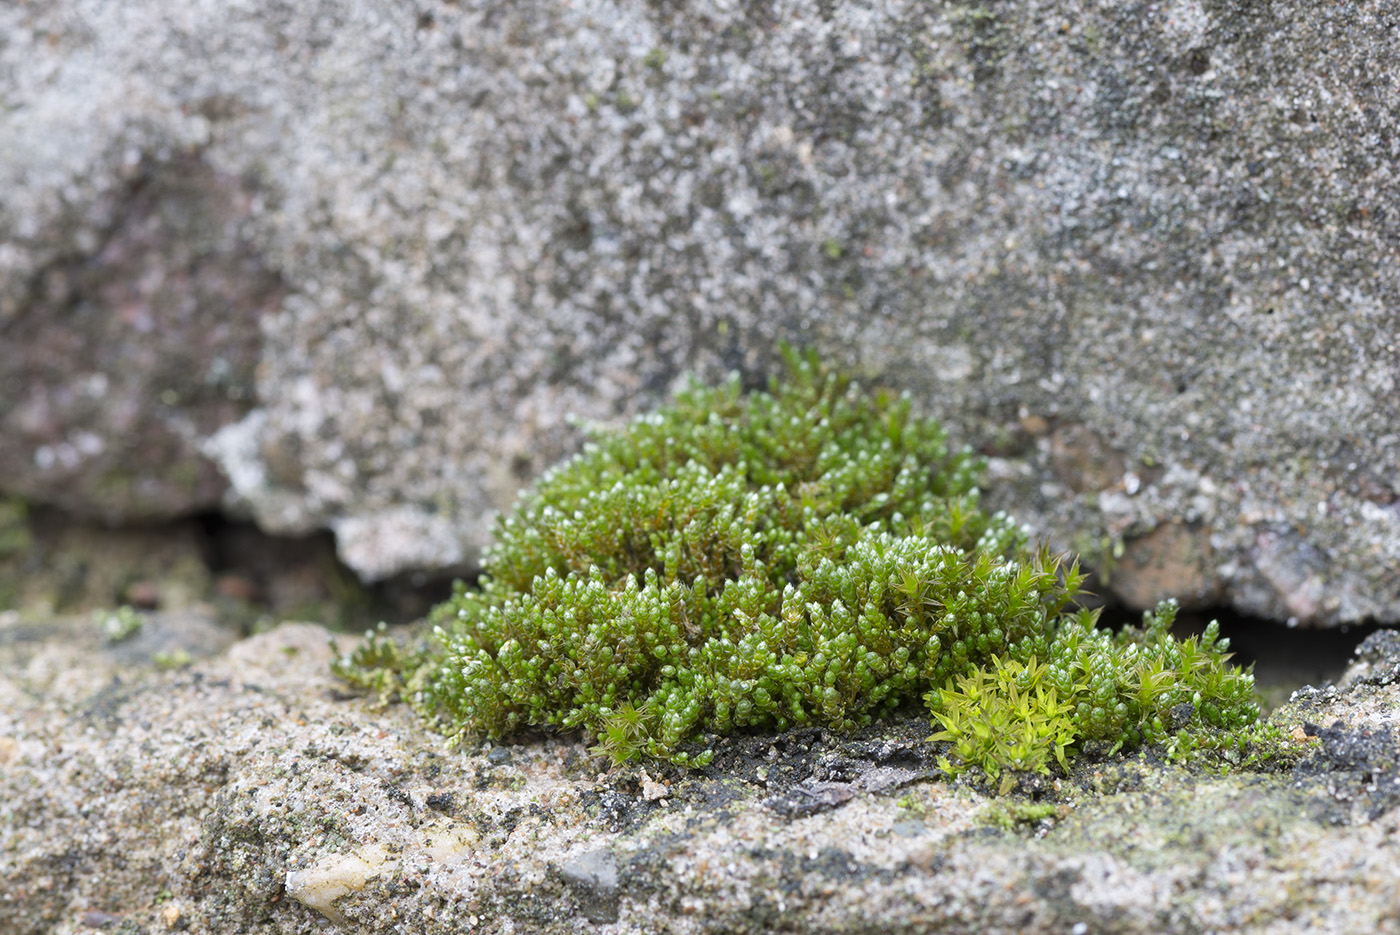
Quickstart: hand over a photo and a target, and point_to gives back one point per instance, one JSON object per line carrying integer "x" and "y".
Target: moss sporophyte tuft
{"x": 808, "y": 555}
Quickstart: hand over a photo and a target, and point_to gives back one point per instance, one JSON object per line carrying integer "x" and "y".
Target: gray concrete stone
{"x": 246, "y": 792}
{"x": 1144, "y": 255}
{"x": 593, "y": 877}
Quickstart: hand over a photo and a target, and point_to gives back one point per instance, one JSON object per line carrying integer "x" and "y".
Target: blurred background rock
{"x": 347, "y": 269}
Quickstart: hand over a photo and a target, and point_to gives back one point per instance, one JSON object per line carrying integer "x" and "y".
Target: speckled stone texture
{"x": 1142, "y": 254}
{"x": 247, "y": 793}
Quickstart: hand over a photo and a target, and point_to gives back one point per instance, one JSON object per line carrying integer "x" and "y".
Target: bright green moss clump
{"x": 1095, "y": 689}
{"x": 808, "y": 555}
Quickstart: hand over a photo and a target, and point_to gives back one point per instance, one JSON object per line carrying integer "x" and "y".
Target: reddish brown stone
{"x": 126, "y": 356}
{"x": 1173, "y": 560}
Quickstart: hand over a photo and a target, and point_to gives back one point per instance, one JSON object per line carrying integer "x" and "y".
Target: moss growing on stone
{"x": 1095, "y": 690}
{"x": 15, "y": 537}
{"x": 808, "y": 555}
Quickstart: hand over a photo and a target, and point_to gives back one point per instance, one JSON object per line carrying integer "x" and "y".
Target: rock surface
{"x": 128, "y": 343}
{"x": 246, "y": 793}
{"x": 1144, "y": 255}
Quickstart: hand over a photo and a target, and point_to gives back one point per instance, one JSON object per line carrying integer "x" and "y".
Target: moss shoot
{"x": 809, "y": 555}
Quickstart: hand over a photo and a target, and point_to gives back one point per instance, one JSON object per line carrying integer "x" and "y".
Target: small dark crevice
{"x": 1284, "y": 658}
{"x": 281, "y": 573}
{"x": 66, "y": 564}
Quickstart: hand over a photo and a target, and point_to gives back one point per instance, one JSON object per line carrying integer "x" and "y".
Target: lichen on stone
{"x": 812, "y": 554}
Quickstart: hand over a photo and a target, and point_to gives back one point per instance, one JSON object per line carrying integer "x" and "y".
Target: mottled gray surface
{"x": 247, "y": 794}
{"x": 124, "y": 348}
{"x": 1144, "y": 254}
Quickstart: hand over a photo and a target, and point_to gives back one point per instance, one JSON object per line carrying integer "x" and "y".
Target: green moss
{"x": 809, "y": 555}
{"x": 15, "y": 537}
{"x": 1096, "y": 691}
{"x": 1093, "y": 37}
{"x": 120, "y": 624}
{"x": 171, "y": 660}
{"x": 1007, "y": 814}
{"x": 1003, "y": 717}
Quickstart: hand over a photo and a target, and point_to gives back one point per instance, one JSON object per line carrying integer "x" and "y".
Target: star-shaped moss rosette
{"x": 808, "y": 555}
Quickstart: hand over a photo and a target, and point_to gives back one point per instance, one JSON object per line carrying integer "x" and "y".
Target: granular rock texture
{"x": 247, "y": 793}
{"x": 1143, "y": 254}
{"x": 128, "y": 345}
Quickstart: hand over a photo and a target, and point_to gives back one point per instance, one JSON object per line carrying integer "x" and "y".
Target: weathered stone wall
{"x": 367, "y": 257}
